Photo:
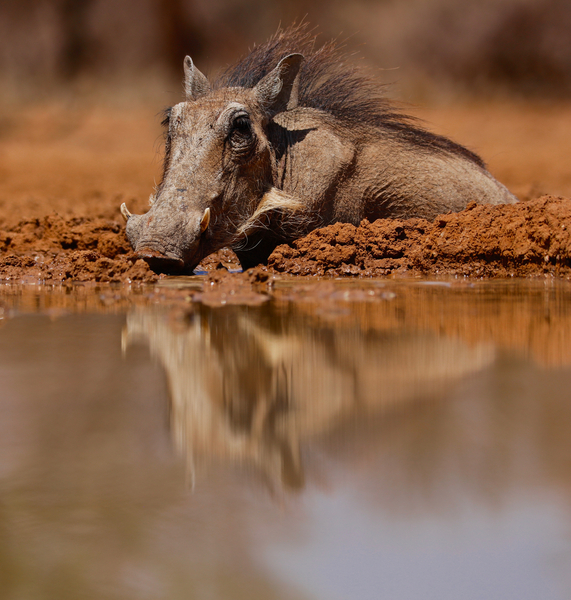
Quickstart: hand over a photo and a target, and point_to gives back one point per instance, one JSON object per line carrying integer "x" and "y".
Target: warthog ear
{"x": 278, "y": 90}
{"x": 195, "y": 83}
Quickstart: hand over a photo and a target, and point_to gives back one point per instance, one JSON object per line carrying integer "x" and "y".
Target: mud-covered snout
{"x": 170, "y": 243}
{"x": 161, "y": 262}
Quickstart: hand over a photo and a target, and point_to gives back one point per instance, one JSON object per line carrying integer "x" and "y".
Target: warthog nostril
{"x": 161, "y": 263}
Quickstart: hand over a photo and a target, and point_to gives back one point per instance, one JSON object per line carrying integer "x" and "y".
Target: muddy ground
{"x": 65, "y": 170}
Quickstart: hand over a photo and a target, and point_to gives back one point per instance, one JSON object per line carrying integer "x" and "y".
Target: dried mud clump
{"x": 526, "y": 239}
{"x": 223, "y": 259}
{"x": 53, "y": 249}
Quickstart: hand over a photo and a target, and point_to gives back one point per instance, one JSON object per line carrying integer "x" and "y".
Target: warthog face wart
{"x": 282, "y": 144}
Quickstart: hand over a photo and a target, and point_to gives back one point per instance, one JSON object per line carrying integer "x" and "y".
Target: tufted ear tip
{"x": 279, "y": 89}
{"x": 292, "y": 60}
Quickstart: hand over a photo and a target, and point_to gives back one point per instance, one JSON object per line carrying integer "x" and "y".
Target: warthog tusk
{"x": 125, "y": 212}
{"x": 205, "y": 220}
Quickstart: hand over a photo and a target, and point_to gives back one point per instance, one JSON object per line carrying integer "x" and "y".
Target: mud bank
{"x": 527, "y": 239}
{"x": 54, "y": 249}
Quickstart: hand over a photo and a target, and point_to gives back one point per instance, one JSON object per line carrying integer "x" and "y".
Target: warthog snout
{"x": 161, "y": 263}
{"x": 154, "y": 238}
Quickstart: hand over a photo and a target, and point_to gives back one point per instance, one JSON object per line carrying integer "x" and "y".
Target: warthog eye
{"x": 242, "y": 125}
{"x": 241, "y": 135}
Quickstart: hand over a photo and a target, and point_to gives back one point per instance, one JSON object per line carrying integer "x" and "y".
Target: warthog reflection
{"x": 251, "y": 386}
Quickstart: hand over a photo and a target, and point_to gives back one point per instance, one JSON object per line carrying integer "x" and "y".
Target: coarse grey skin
{"x": 250, "y": 168}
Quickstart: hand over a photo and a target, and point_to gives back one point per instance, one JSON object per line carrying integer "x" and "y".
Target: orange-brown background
{"x": 84, "y": 83}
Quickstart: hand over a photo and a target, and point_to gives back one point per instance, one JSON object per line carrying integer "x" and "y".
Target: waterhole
{"x": 328, "y": 440}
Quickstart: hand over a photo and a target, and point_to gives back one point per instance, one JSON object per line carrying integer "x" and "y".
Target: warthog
{"x": 288, "y": 140}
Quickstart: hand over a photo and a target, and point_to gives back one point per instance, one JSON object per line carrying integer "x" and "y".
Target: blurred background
{"x": 431, "y": 48}
{"x": 84, "y": 83}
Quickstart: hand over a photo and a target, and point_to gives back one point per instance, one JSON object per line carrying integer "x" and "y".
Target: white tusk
{"x": 205, "y": 220}
{"x": 125, "y": 212}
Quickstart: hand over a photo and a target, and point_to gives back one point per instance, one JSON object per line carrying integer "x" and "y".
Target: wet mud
{"x": 53, "y": 249}
{"x": 528, "y": 239}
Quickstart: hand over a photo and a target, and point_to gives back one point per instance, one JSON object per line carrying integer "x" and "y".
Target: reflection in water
{"x": 248, "y": 385}
{"x": 415, "y": 439}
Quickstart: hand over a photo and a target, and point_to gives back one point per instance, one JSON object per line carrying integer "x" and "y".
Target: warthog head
{"x": 218, "y": 168}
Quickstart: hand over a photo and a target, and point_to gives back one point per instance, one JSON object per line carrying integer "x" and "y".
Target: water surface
{"x": 401, "y": 440}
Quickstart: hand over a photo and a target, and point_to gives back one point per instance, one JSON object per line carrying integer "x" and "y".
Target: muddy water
{"x": 401, "y": 440}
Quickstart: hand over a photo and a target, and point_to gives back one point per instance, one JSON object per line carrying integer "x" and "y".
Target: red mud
{"x": 527, "y": 239}
{"x": 54, "y": 249}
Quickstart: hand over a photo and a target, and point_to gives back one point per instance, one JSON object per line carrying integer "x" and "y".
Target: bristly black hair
{"x": 328, "y": 83}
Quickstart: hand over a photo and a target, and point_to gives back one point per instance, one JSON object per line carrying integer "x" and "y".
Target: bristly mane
{"x": 328, "y": 83}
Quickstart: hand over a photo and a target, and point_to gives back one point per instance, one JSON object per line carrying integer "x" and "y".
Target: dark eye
{"x": 242, "y": 124}
{"x": 241, "y": 132}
